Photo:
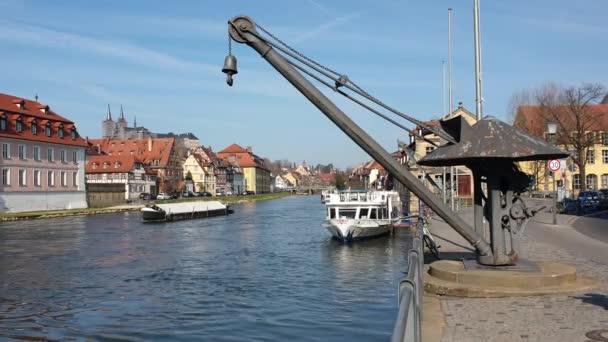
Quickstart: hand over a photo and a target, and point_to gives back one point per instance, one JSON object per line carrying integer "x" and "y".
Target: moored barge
{"x": 184, "y": 211}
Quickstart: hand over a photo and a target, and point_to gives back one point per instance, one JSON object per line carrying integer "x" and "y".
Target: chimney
{"x": 149, "y": 144}
{"x": 249, "y": 149}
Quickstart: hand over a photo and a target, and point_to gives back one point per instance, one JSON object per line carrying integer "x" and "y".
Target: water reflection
{"x": 268, "y": 272}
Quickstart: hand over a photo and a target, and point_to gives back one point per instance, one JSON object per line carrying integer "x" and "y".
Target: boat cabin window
{"x": 372, "y": 214}
{"x": 354, "y": 197}
{"x": 332, "y": 213}
{"x": 363, "y": 213}
{"x": 348, "y": 213}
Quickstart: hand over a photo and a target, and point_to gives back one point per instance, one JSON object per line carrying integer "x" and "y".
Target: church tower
{"x": 107, "y": 125}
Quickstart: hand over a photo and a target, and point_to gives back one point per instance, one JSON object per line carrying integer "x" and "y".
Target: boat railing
{"x": 410, "y": 293}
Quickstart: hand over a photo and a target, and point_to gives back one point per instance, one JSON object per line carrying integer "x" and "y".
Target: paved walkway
{"x": 541, "y": 318}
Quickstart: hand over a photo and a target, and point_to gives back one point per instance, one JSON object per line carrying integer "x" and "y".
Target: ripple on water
{"x": 268, "y": 272}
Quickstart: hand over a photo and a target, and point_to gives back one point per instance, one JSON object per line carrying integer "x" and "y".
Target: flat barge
{"x": 184, "y": 211}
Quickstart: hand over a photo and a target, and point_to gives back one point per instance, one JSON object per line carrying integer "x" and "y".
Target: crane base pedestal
{"x": 452, "y": 278}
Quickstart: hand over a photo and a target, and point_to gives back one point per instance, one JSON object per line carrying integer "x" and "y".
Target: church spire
{"x": 122, "y": 114}
{"x": 109, "y": 115}
{"x": 135, "y": 121}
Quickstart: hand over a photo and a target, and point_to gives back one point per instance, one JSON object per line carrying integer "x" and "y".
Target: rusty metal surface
{"x": 488, "y": 139}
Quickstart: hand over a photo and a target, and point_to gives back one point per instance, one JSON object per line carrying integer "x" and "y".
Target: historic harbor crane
{"x": 489, "y": 148}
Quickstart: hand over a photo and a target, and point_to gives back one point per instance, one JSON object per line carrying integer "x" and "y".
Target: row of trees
{"x": 572, "y": 108}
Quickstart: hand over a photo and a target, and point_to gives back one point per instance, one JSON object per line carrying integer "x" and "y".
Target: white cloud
{"x": 326, "y": 26}
{"x": 42, "y": 37}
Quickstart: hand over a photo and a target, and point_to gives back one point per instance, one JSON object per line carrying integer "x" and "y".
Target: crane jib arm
{"x": 243, "y": 30}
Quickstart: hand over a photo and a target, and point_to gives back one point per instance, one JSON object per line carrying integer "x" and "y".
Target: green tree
{"x": 189, "y": 176}
{"x": 340, "y": 181}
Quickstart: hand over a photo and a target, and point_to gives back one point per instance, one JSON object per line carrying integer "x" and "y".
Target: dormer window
{"x": 19, "y": 125}
{"x": 73, "y": 133}
{"x": 20, "y": 103}
{"x": 45, "y": 109}
{"x": 116, "y": 165}
{"x": 3, "y": 122}
{"x": 34, "y": 127}
{"x": 94, "y": 166}
{"x": 48, "y": 129}
{"x": 60, "y": 131}
{"x": 106, "y": 165}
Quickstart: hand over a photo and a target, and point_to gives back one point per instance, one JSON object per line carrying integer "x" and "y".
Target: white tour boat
{"x": 356, "y": 214}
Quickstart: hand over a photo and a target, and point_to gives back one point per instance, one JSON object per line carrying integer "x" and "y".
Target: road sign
{"x": 554, "y": 165}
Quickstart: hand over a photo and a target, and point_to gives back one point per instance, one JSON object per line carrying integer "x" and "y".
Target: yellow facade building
{"x": 461, "y": 178}
{"x": 567, "y": 179}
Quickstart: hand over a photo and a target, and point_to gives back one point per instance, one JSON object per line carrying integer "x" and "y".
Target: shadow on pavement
{"x": 597, "y": 299}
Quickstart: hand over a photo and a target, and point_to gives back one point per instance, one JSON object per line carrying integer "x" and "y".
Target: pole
{"x": 242, "y": 29}
{"x": 443, "y": 113}
{"x": 450, "y": 101}
{"x": 554, "y": 200}
{"x": 478, "y": 96}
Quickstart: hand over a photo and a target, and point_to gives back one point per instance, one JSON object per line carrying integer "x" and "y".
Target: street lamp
{"x": 552, "y": 130}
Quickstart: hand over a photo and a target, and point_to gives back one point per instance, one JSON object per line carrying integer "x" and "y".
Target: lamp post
{"x": 552, "y": 130}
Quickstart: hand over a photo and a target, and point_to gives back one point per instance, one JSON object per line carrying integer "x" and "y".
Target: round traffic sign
{"x": 554, "y": 165}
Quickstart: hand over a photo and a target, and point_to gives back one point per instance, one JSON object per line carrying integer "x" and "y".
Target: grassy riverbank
{"x": 132, "y": 207}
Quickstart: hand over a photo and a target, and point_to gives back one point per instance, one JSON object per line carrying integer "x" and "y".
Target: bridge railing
{"x": 410, "y": 293}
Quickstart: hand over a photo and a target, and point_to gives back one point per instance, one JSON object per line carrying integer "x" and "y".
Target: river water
{"x": 269, "y": 272}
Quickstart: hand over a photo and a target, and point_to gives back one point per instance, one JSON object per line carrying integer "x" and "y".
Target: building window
{"x": 73, "y": 133}
{"x": 62, "y": 156}
{"x": 6, "y": 176}
{"x": 37, "y": 153}
{"x": 94, "y": 166}
{"x": 64, "y": 178}
{"x": 605, "y": 138}
{"x": 19, "y": 125}
{"x": 591, "y": 182}
{"x": 74, "y": 157}
{"x": 34, "y": 127}
{"x": 429, "y": 149}
{"x": 60, "y": 131}
{"x": 576, "y": 181}
{"x": 3, "y": 122}
{"x": 22, "y": 177}
{"x": 116, "y": 165}
{"x": 48, "y": 130}
{"x": 75, "y": 178}
{"x": 51, "y": 178}
{"x": 106, "y": 165}
{"x": 605, "y": 156}
{"x": 6, "y": 151}
{"x": 50, "y": 155}
{"x": 21, "y": 152}
{"x": 36, "y": 177}
{"x": 590, "y": 157}
{"x": 605, "y": 181}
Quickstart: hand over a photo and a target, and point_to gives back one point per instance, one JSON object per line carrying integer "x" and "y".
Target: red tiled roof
{"x": 161, "y": 149}
{"x": 29, "y": 112}
{"x": 125, "y": 164}
{"x": 243, "y": 158}
{"x": 532, "y": 119}
{"x": 234, "y": 148}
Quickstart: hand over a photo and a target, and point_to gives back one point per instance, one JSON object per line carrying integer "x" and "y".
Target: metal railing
{"x": 410, "y": 293}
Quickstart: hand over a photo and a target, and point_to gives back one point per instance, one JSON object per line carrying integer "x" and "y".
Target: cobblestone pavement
{"x": 539, "y": 318}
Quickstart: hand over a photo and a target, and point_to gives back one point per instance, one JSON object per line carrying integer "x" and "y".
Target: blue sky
{"x": 161, "y": 60}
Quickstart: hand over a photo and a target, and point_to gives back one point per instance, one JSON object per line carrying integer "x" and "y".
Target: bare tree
{"x": 572, "y": 109}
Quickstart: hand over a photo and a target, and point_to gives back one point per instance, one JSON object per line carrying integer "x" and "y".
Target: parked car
{"x": 604, "y": 198}
{"x": 568, "y": 206}
{"x": 163, "y": 196}
{"x": 205, "y": 194}
{"x": 146, "y": 196}
{"x": 589, "y": 199}
{"x": 188, "y": 194}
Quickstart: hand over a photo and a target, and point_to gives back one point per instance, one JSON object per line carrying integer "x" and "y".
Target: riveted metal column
{"x": 242, "y": 29}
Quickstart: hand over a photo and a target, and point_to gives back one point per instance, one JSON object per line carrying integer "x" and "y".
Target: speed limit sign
{"x": 554, "y": 165}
